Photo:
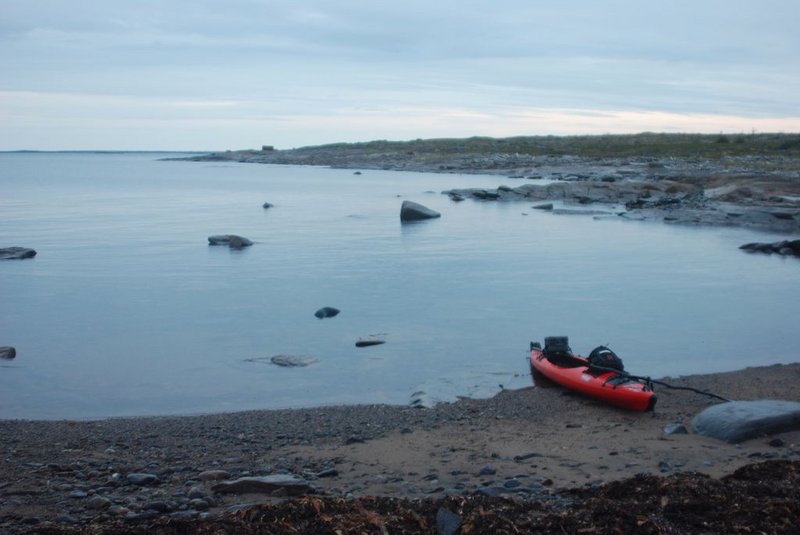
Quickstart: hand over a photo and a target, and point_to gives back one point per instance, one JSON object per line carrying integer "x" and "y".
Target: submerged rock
{"x": 412, "y": 211}
{"x": 737, "y": 421}
{"x": 7, "y": 352}
{"x": 16, "y": 253}
{"x": 267, "y": 205}
{"x": 327, "y": 312}
{"x": 293, "y": 361}
{"x": 785, "y": 247}
{"x": 231, "y": 240}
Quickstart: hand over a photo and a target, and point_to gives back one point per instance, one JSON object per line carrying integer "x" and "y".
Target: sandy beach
{"x": 530, "y": 444}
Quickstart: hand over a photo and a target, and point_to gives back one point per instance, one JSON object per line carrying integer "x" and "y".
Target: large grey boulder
{"x": 16, "y": 253}
{"x": 287, "y": 483}
{"x": 737, "y": 421}
{"x": 412, "y": 211}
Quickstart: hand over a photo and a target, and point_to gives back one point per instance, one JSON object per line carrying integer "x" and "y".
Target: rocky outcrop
{"x": 783, "y": 248}
{"x": 231, "y": 240}
{"x": 412, "y": 211}
{"x": 16, "y": 253}
{"x": 327, "y": 312}
{"x": 7, "y": 352}
{"x": 737, "y": 421}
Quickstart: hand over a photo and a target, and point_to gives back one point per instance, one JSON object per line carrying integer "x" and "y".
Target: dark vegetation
{"x": 646, "y": 144}
{"x": 759, "y": 498}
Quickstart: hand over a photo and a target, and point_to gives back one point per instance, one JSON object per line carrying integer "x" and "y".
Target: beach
{"x": 531, "y": 444}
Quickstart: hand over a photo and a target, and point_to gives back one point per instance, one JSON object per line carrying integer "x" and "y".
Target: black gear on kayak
{"x": 603, "y": 357}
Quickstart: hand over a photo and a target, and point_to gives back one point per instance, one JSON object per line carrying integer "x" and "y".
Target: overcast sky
{"x": 230, "y": 74}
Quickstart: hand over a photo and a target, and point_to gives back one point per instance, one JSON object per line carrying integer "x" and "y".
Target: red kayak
{"x": 607, "y": 382}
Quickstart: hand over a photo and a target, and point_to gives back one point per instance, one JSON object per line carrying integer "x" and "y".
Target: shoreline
{"x": 529, "y": 444}
{"x": 753, "y": 190}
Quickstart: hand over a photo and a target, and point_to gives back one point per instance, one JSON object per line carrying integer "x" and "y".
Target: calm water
{"x": 127, "y": 311}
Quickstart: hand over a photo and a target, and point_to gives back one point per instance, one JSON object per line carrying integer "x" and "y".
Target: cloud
{"x": 244, "y": 60}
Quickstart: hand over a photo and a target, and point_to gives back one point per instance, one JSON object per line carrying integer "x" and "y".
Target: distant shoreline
{"x": 747, "y": 180}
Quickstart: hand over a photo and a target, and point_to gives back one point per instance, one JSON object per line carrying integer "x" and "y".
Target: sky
{"x": 235, "y": 74}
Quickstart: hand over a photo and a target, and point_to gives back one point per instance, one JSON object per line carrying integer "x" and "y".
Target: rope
{"x": 650, "y": 381}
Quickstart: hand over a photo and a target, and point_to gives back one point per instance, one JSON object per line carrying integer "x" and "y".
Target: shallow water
{"x": 127, "y": 311}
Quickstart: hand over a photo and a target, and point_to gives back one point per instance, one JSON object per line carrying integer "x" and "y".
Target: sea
{"x": 127, "y": 311}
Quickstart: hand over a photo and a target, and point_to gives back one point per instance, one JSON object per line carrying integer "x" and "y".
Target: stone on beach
{"x": 327, "y": 312}
{"x": 231, "y": 240}
{"x": 16, "y": 253}
{"x": 287, "y": 483}
{"x": 737, "y": 421}
{"x": 412, "y": 211}
{"x": 8, "y": 352}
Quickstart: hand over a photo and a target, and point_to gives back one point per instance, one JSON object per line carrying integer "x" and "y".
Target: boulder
{"x": 737, "y": 421}
{"x": 267, "y": 205}
{"x": 287, "y": 483}
{"x": 231, "y": 240}
{"x": 7, "y": 352}
{"x": 411, "y": 211}
{"x": 16, "y": 253}
{"x": 327, "y": 312}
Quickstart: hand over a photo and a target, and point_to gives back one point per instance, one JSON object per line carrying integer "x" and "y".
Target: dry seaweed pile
{"x": 758, "y": 498}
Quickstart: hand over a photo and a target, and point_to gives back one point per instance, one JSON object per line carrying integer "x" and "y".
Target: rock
{"x": 545, "y": 206}
{"x": 455, "y": 197}
{"x": 328, "y": 472}
{"x": 486, "y": 195}
{"x": 7, "y": 352}
{"x": 267, "y": 205}
{"x": 785, "y": 248}
{"x": 199, "y": 504}
{"x": 327, "y": 312}
{"x": 366, "y": 342}
{"x": 237, "y": 242}
{"x": 675, "y": 429}
{"x": 231, "y": 240}
{"x": 158, "y": 506}
{"x": 16, "y": 253}
{"x": 487, "y": 471}
{"x": 737, "y": 421}
{"x": 98, "y": 503}
{"x": 293, "y": 361}
{"x": 411, "y": 211}
{"x": 289, "y": 484}
{"x": 213, "y": 475}
{"x": 197, "y": 492}
{"x": 447, "y": 522}
{"x": 142, "y": 479}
